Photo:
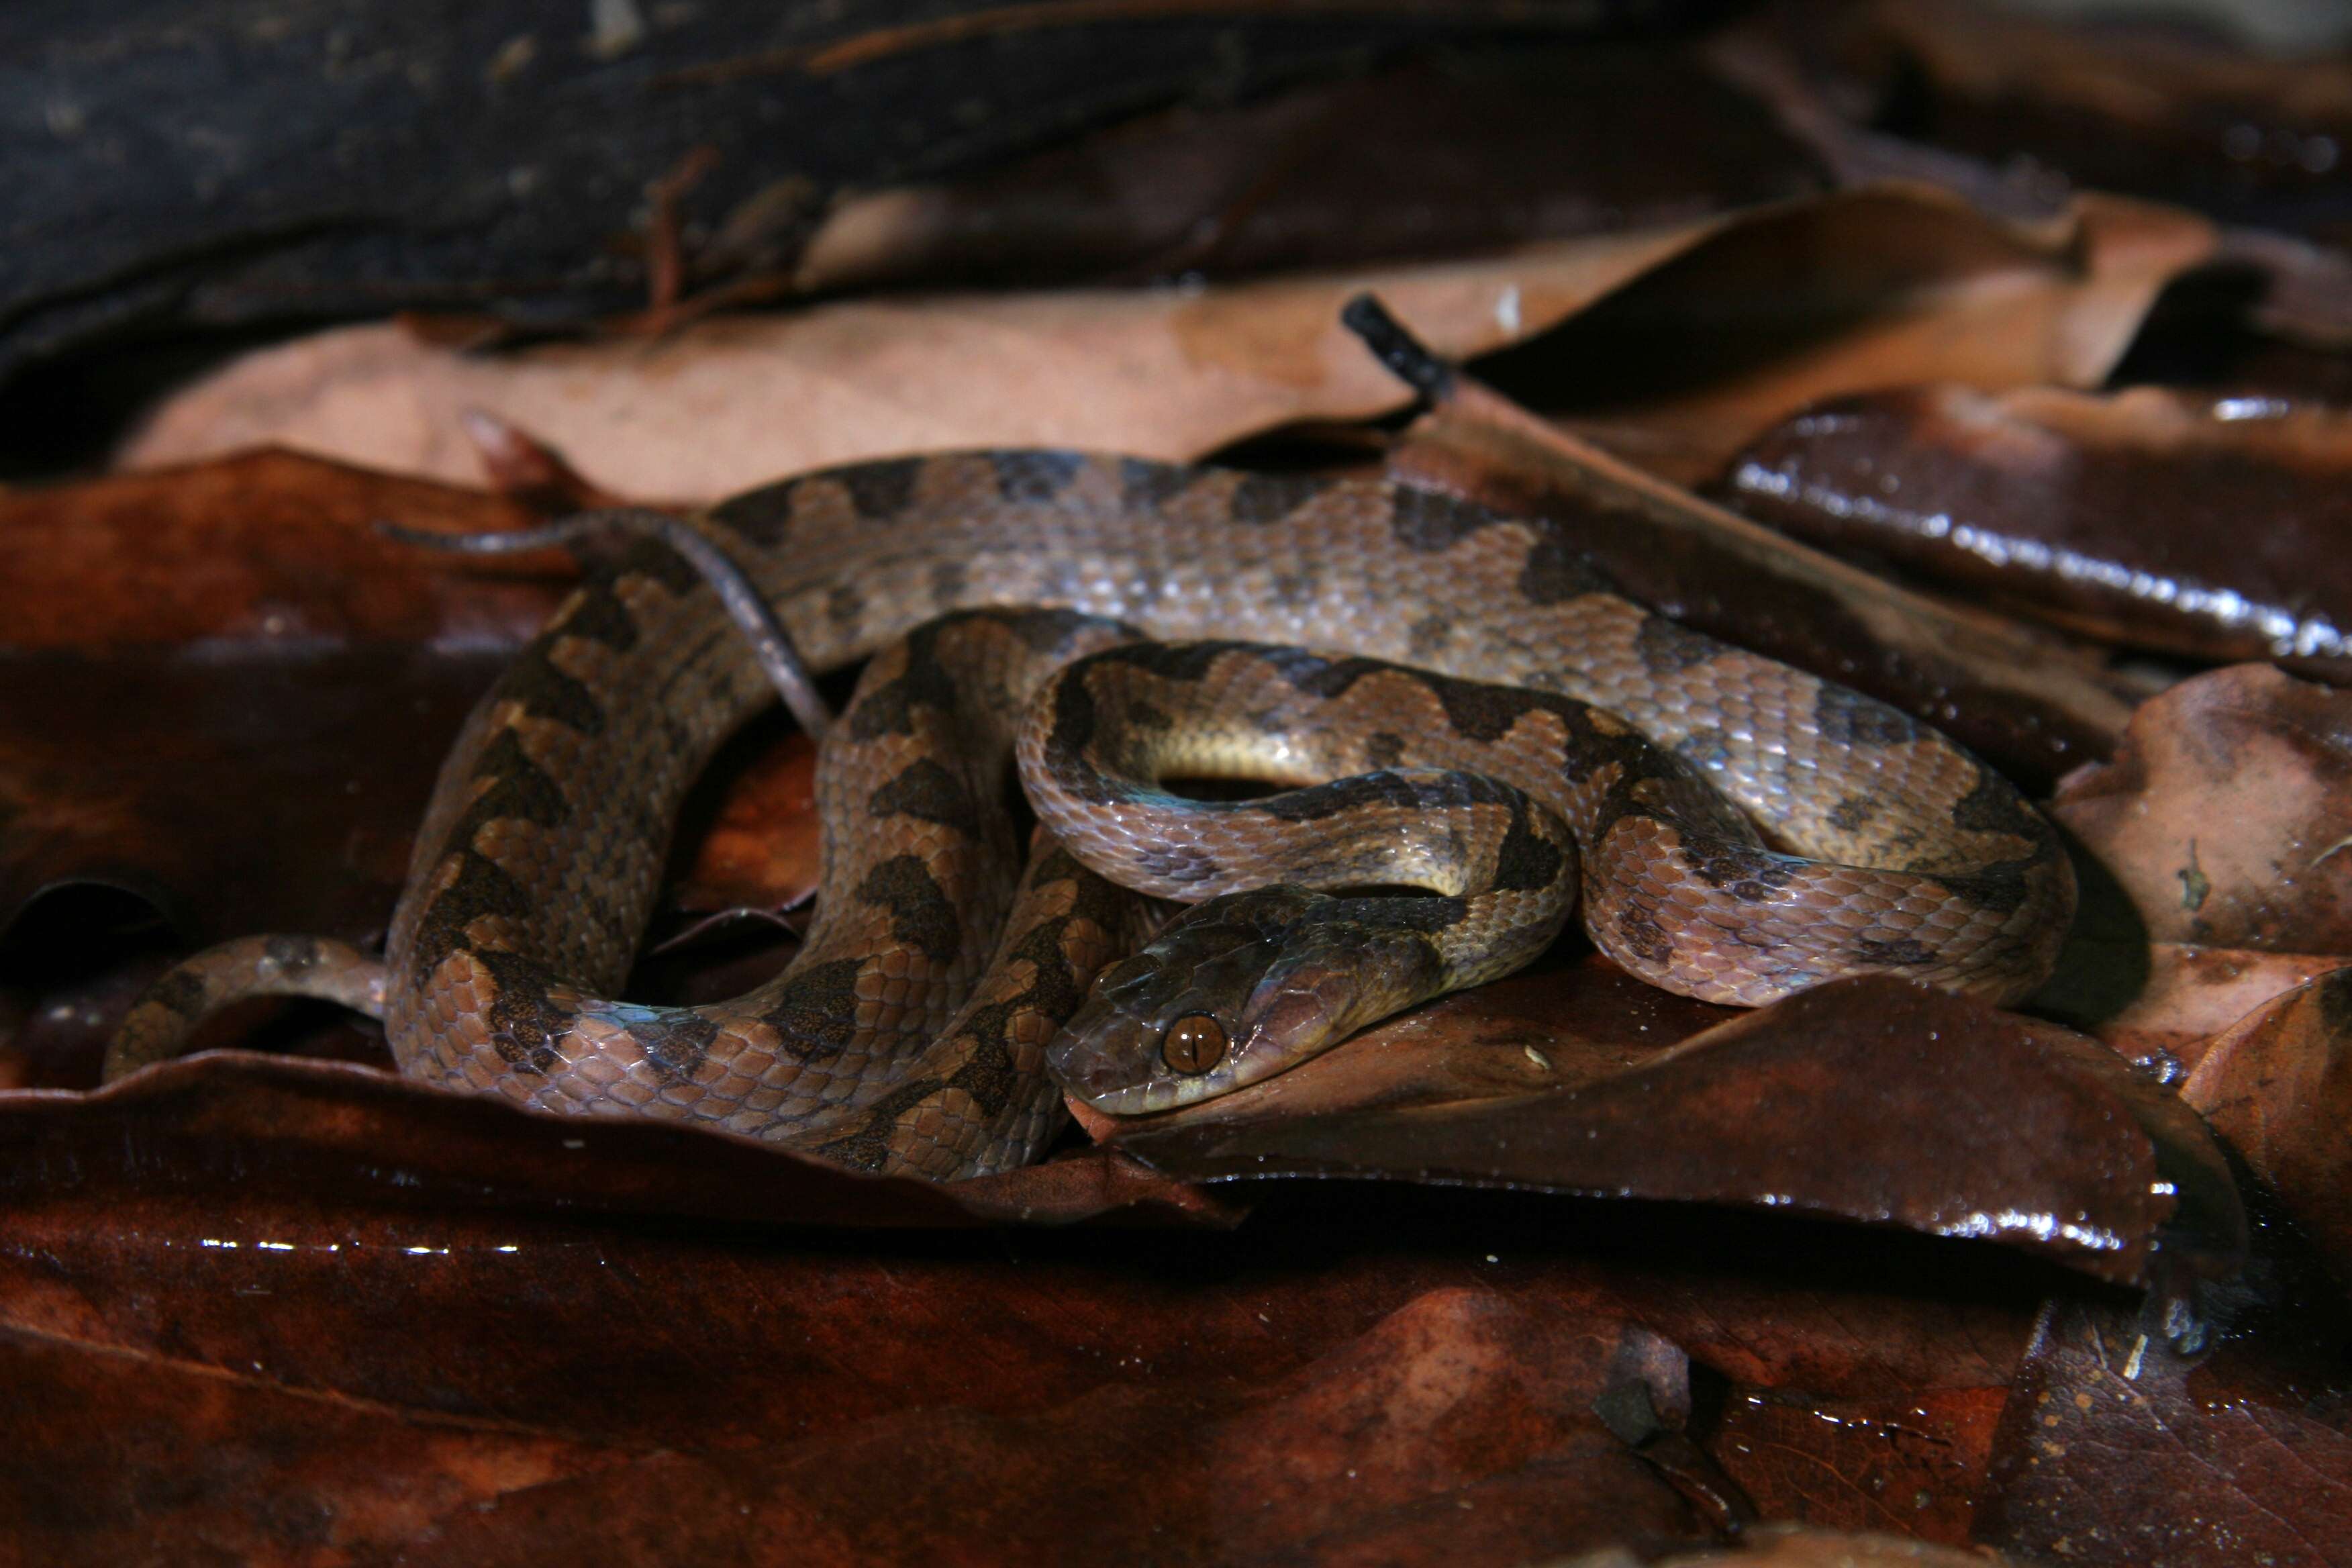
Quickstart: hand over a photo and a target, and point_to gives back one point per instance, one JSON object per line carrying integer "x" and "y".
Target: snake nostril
{"x": 1193, "y": 1044}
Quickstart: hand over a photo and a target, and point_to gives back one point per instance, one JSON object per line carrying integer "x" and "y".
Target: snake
{"x": 1465, "y": 726}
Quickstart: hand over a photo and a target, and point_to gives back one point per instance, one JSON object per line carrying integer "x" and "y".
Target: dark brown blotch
{"x": 1994, "y": 805}
{"x": 480, "y": 889}
{"x": 547, "y": 693}
{"x": 922, "y": 682}
{"x": 920, "y": 914}
{"x": 1027, "y": 478}
{"x": 844, "y": 604}
{"x": 1428, "y": 635}
{"x": 1639, "y": 934}
{"x": 1748, "y": 872}
{"x": 180, "y": 990}
{"x": 928, "y": 791}
{"x": 880, "y": 491}
{"x": 1525, "y": 861}
{"x": 1852, "y": 813}
{"x": 1667, "y": 647}
{"x": 521, "y": 791}
{"x": 1846, "y": 717}
{"x": 762, "y": 516}
{"x": 1428, "y": 523}
{"x": 654, "y": 560}
{"x": 676, "y": 1044}
{"x": 950, "y": 580}
{"x": 815, "y": 1014}
{"x": 523, "y": 1021}
{"x": 1555, "y": 573}
{"x": 1269, "y": 498}
{"x": 1292, "y": 589}
{"x": 1359, "y": 792}
{"x": 1185, "y": 863}
{"x": 1383, "y": 749}
{"x": 1895, "y": 953}
{"x": 1148, "y": 486}
{"x": 1485, "y": 713}
{"x": 598, "y": 615}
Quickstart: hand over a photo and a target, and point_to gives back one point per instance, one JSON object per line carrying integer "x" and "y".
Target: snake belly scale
{"x": 543, "y": 846}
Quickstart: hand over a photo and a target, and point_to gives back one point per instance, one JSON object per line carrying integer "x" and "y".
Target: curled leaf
{"x": 2226, "y": 815}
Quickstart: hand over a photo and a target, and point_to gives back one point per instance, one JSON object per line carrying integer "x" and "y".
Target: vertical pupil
{"x": 1193, "y": 1044}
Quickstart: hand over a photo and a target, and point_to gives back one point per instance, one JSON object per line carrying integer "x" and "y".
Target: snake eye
{"x": 1193, "y": 1044}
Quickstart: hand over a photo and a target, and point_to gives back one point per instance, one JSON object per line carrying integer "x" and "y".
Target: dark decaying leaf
{"x": 210, "y": 1127}
{"x": 2117, "y": 1448}
{"x": 1800, "y": 1546}
{"x": 308, "y": 1336}
{"x": 2225, "y": 813}
{"x": 2126, "y": 515}
{"x": 2032, "y": 705}
{"x": 2278, "y": 1086}
{"x": 253, "y": 790}
{"x": 263, "y": 549}
{"x": 227, "y": 692}
{"x": 2158, "y": 111}
{"x": 1489, "y": 148}
{"x": 1872, "y": 1100}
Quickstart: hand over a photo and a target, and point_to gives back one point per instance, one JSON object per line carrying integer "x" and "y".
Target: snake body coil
{"x": 542, "y": 849}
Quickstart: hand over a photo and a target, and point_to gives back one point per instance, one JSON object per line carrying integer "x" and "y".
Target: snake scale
{"x": 1484, "y": 711}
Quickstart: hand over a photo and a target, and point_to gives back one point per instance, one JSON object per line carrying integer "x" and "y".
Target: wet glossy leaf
{"x": 2125, "y": 515}
{"x": 1870, "y": 1099}
{"x": 2223, "y": 812}
{"x": 248, "y": 1260}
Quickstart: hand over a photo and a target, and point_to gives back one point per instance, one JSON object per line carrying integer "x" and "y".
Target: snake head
{"x": 1237, "y": 989}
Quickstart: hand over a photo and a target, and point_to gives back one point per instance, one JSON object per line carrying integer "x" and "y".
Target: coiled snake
{"x": 1443, "y": 730}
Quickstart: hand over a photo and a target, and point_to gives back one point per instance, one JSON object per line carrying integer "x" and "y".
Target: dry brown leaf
{"x": 2227, "y": 812}
{"x": 1877, "y": 287}
{"x": 1176, "y": 373}
{"x": 2278, "y": 1086}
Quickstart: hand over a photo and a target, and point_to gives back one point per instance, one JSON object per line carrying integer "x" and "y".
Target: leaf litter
{"x": 505, "y": 1335}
